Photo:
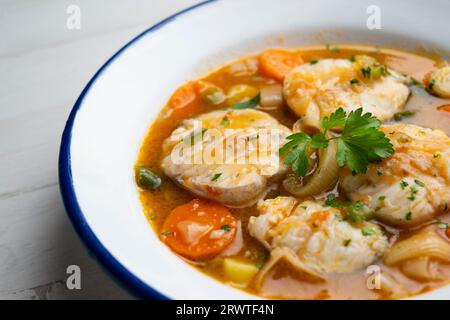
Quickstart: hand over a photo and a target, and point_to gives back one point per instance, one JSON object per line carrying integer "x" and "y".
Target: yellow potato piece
{"x": 239, "y": 272}
{"x": 240, "y": 93}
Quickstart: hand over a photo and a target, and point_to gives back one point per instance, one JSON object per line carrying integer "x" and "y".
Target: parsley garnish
{"x": 354, "y": 81}
{"x": 166, "y": 233}
{"x": 403, "y": 184}
{"x": 332, "y": 202}
{"x": 359, "y": 143}
{"x": 367, "y": 232}
{"x": 431, "y": 84}
{"x": 226, "y": 227}
{"x": 252, "y": 103}
{"x": 299, "y": 144}
{"x": 419, "y": 183}
{"x": 366, "y": 72}
{"x": 216, "y": 177}
{"x": 413, "y": 190}
{"x": 408, "y": 216}
{"x": 314, "y": 62}
{"x": 347, "y": 242}
{"x": 225, "y": 122}
{"x": 357, "y": 212}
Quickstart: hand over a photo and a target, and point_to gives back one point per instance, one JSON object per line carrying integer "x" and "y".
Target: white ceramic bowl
{"x": 112, "y": 115}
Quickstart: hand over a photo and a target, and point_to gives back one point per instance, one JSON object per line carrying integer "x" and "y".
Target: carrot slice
{"x": 182, "y": 101}
{"x": 445, "y": 108}
{"x": 277, "y": 63}
{"x": 199, "y": 229}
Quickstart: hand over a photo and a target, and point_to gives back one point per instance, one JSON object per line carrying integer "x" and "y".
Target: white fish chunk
{"x": 410, "y": 187}
{"x": 233, "y": 158}
{"x": 321, "y": 239}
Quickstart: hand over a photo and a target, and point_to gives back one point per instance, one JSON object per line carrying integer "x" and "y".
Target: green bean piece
{"x": 147, "y": 179}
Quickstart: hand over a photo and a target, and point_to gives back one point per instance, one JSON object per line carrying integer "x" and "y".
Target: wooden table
{"x": 44, "y": 66}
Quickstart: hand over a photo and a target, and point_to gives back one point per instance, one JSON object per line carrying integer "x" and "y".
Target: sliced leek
{"x": 424, "y": 244}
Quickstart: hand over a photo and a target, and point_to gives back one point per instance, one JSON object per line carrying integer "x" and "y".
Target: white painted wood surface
{"x": 43, "y": 68}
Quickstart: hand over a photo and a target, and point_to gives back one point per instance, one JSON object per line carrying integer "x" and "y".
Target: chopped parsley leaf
{"x": 225, "y": 122}
{"x": 408, "y": 216}
{"x": 226, "y": 227}
{"x": 252, "y": 103}
{"x": 419, "y": 183}
{"x": 431, "y": 84}
{"x": 367, "y": 232}
{"x": 413, "y": 191}
{"x": 366, "y": 72}
{"x": 359, "y": 143}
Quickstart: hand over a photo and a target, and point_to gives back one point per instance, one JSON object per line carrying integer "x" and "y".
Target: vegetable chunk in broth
{"x": 315, "y": 173}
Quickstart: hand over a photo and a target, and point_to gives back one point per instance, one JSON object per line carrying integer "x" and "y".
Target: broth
{"x": 284, "y": 282}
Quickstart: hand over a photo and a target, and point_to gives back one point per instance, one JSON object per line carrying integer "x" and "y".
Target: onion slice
{"x": 424, "y": 244}
{"x": 422, "y": 269}
{"x": 323, "y": 179}
{"x": 286, "y": 254}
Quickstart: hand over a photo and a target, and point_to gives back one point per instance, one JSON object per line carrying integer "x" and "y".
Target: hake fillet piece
{"x": 231, "y": 155}
{"x": 413, "y": 185}
{"x": 321, "y": 240}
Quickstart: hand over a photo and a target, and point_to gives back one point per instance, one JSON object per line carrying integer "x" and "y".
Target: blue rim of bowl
{"x": 126, "y": 278}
